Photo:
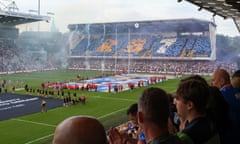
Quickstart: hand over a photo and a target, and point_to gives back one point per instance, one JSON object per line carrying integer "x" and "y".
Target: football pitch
{"x": 38, "y": 127}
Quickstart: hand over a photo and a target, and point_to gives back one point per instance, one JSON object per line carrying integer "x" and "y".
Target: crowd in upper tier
{"x": 143, "y": 46}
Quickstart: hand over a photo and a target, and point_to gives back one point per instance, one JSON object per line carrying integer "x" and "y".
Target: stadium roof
{"x": 223, "y": 8}
{"x": 11, "y": 18}
{"x": 171, "y": 25}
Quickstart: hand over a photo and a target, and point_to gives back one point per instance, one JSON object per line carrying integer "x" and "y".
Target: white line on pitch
{"x": 38, "y": 123}
{"x": 39, "y": 139}
{"x": 111, "y": 113}
{"x": 55, "y": 126}
{"x": 111, "y": 98}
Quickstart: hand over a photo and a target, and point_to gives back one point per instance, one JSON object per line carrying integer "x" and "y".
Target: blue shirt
{"x": 232, "y": 96}
{"x": 141, "y": 137}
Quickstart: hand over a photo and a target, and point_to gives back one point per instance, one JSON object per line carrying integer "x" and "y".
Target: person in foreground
{"x": 80, "y": 130}
{"x": 191, "y": 102}
{"x": 153, "y": 114}
{"x": 230, "y": 91}
{"x": 117, "y": 137}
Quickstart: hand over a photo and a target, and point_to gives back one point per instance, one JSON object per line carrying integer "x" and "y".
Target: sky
{"x": 91, "y": 11}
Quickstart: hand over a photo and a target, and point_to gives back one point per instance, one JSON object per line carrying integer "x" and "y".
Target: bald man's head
{"x": 220, "y": 78}
{"x": 80, "y": 130}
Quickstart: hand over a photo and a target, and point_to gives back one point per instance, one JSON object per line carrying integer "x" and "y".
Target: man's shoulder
{"x": 231, "y": 94}
{"x": 174, "y": 139}
{"x": 171, "y": 139}
{"x": 229, "y": 89}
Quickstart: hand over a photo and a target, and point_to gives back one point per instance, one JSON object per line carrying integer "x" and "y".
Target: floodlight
{"x": 136, "y": 25}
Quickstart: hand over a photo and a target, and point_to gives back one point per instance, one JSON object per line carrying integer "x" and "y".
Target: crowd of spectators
{"x": 192, "y": 97}
{"x": 16, "y": 58}
{"x": 154, "y": 66}
{"x": 13, "y": 58}
{"x": 144, "y": 45}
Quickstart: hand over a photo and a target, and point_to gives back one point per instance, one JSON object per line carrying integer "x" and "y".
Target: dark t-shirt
{"x": 169, "y": 139}
{"x": 200, "y": 130}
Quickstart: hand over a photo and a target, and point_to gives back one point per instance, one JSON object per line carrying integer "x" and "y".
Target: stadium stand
{"x": 140, "y": 41}
{"x": 97, "y": 46}
{"x": 12, "y": 58}
{"x": 150, "y": 52}
{"x": 166, "y": 38}
{"x": 200, "y": 67}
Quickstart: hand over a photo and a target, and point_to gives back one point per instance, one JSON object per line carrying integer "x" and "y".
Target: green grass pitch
{"x": 38, "y": 128}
